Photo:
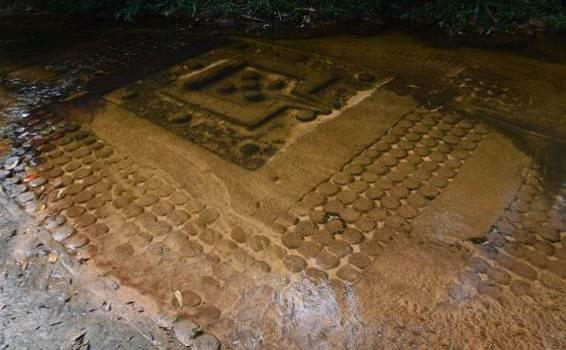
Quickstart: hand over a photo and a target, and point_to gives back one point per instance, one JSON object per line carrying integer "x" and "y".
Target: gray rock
{"x": 206, "y": 342}
{"x": 52, "y": 223}
{"x": 186, "y": 331}
{"x": 63, "y": 233}
{"x": 37, "y": 182}
{"x": 26, "y": 197}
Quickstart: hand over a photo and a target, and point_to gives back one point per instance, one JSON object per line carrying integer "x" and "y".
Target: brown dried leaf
{"x": 179, "y": 298}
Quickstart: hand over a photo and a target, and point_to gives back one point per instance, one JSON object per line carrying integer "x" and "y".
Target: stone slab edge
{"x": 477, "y": 197}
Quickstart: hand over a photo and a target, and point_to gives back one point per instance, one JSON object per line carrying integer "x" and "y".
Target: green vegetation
{"x": 453, "y": 16}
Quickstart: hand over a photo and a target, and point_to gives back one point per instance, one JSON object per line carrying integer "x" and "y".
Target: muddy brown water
{"x": 361, "y": 192}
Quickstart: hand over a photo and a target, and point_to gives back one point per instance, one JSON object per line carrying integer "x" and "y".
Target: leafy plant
{"x": 453, "y": 16}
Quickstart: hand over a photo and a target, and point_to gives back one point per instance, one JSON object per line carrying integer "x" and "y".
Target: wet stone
{"x": 317, "y": 216}
{"x": 323, "y": 237}
{"x": 428, "y": 142}
{"x": 124, "y": 250}
{"x": 148, "y": 199}
{"x": 25, "y": 197}
{"x": 359, "y": 260}
{"x": 429, "y": 192}
{"x": 53, "y": 222}
{"x": 178, "y": 217}
{"x": 62, "y": 160}
{"x": 549, "y": 234}
{"x": 382, "y": 146}
{"x": 73, "y": 146}
{"x": 65, "y": 203}
{"x": 326, "y": 260}
{"x": 350, "y": 215}
{"x": 305, "y": 115}
{"x": 371, "y": 248}
{"x": 205, "y": 342}
{"x": 102, "y": 212}
{"x": 85, "y": 220}
{"x": 97, "y": 146}
{"x": 365, "y": 224}
{"x": 436, "y": 134}
{"x": 121, "y": 201}
{"x": 438, "y": 181}
{"x": 209, "y": 237}
{"x": 185, "y": 331}
{"x": 363, "y": 205}
{"x": 358, "y": 186}
{"x": 83, "y": 196}
{"x": 104, "y": 153}
{"x": 378, "y": 168}
{"x": 461, "y": 154}
{"x": 339, "y": 248}
{"x": 413, "y": 136}
{"x": 294, "y": 263}
{"x": 390, "y": 202}
{"x": 62, "y": 233}
{"x": 97, "y": 230}
{"x": 390, "y": 139}
{"x": 81, "y": 152}
{"x": 537, "y": 259}
{"x": 453, "y": 163}
{"x": 342, "y": 179}
{"x": 389, "y": 160}
{"x": 178, "y": 198}
{"x": 292, "y": 240}
{"x": 334, "y": 207}
{"x": 82, "y": 173}
{"x": 75, "y": 211}
{"x": 328, "y": 189}
{"x": 306, "y": 228}
{"x": 316, "y": 275}
{"x": 54, "y": 173}
{"x": 37, "y": 182}
{"x": 354, "y": 169}
{"x": 370, "y": 177}
{"x": 398, "y": 153}
{"x": 335, "y": 226}
{"x": 457, "y": 292}
{"x": 546, "y": 248}
{"x": 348, "y": 273}
{"x": 421, "y": 151}
{"x": 76, "y": 241}
{"x": 163, "y": 208}
{"x": 352, "y": 236}
{"x": 95, "y": 203}
{"x": 407, "y": 211}
{"x": 208, "y": 216}
{"x": 258, "y": 243}
{"x": 310, "y": 249}
{"x": 239, "y": 235}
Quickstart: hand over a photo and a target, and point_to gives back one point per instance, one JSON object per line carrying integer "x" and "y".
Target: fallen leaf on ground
{"x": 179, "y": 298}
{"x": 52, "y": 257}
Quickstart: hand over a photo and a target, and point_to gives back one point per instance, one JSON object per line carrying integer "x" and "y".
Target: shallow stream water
{"x": 437, "y": 220}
